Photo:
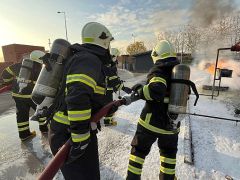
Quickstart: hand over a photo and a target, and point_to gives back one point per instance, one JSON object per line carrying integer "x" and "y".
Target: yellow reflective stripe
{"x": 99, "y": 90}
{"x": 10, "y": 71}
{"x": 158, "y": 79}
{"x": 117, "y": 86}
{"x": 148, "y": 117}
{"x": 121, "y": 86}
{"x": 134, "y": 170}
{"x": 41, "y": 123}
{"x": 61, "y": 118}
{"x": 88, "y": 39}
{"x": 79, "y": 115}
{"x": 166, "y": 100}
{"x": 81, "y": 78}
{"x": 23, "y": 123}
{"x": 8, "y": 80}
{"x": 66, "y": 91}
{"x": 42, "y": 119}
{"x": 109, "y": 89}
{"x": 136, "y": 159}
{"x": 80, "y": 137}
{"x": 167, "y": 160}
{"x": 166, "y": 55}
{"x": 155, "y": 129}
{"x": 109, "y": 118}
{"x": 23, "y": 129}
{"x": 21, "y": 95}
{"x": 146, "y": 93}
{"x": 167, "y": 170}
{"x": 113, "y": 77}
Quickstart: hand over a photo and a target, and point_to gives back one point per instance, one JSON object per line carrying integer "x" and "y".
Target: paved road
{"x": 6, "y": 102}
{"x": 20, "y": 160}
{"x": 23, "y": 160}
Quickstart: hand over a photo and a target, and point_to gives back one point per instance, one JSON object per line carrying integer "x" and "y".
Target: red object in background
{"x": 236, "y": 47}
{"x": 56, "y": 163}
{"x": 5, "y": 88}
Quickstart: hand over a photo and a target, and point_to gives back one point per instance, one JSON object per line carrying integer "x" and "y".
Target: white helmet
{"x": 114, "y": 52}
{"x": 35, "y": 55}
{"x": 96, "y": 33}
{"x": 164, "y": 49}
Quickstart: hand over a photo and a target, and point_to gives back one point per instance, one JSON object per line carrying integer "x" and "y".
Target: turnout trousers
{"x": 23, "y": 106}
{"x": 141, "y": 146}
{"x": 87, "y": 166}
{"x": 109, "y": 117}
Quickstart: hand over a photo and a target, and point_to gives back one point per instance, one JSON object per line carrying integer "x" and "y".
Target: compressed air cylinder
{"x": 52, "y": 71}
{"x": 179, "y": 91}
{"x": 25, "y": 74}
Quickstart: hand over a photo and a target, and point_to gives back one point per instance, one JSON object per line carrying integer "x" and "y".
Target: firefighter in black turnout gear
{"x": 114, "y": 84}
{"x": 22, "y": 89}
{"x": 85, "y": 87}
{"x": 154, "y": 122}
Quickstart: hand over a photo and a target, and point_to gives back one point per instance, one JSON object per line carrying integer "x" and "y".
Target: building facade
{"x": 16, "y": 52}
{"x": 143, "y": 62}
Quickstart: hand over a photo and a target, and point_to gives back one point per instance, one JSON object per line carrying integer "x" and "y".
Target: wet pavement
{"x": 23, "y": 160}
{"x": 6, "y": 102}
{"x": 20, "y": 160}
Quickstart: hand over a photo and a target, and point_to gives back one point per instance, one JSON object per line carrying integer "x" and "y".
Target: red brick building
{"x": 16, "y": 52}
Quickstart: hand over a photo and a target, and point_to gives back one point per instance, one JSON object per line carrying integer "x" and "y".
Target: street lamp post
{"x": 133, "y": 38}
{"x": 65, "y": 23}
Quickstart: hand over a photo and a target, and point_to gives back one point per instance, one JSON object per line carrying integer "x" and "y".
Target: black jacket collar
{"x": 172, "y": 61}
{"x": 101, "y": 53}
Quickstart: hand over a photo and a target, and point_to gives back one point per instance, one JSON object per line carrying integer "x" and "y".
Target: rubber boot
{"x": 110, "y": 122}
{"x": 31, "y": 135}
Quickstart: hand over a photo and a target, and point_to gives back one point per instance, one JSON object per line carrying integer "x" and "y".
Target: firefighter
{"x": 22, "y": 96}
{"x": 154, "y": 122}
{"x": 83, "y": 90}
{"x": 114, "y": 84}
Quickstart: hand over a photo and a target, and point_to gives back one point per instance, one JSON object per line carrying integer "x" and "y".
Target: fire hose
{"x": 5, "y": 88}
{"x": 57, "y": 162}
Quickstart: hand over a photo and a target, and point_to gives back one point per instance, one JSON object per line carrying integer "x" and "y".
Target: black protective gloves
{"x": 127, "y": 89}
{"x": 137, "y": 88}
{"x": 77, "y": 150}
{"x": 135, "y": 95}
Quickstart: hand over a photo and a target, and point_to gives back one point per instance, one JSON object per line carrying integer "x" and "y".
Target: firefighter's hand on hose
{"x": 77, "y": 150}
{"x": 131, "y": 98}
{"x": 137, "y": 88}
{"x": 127, "y": 100}
{"x": 127, "y": 89}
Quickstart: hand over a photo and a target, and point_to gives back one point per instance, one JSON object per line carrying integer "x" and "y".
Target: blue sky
{"x": 34, "y": 22}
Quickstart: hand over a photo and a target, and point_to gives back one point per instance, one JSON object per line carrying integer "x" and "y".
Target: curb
{"x": 188, "y": 150}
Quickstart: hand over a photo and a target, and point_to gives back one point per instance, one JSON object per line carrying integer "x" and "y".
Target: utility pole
{"x": 133, "y": 38}
{"x": 49, "y": 43}
{"x": 65, "y": 21}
